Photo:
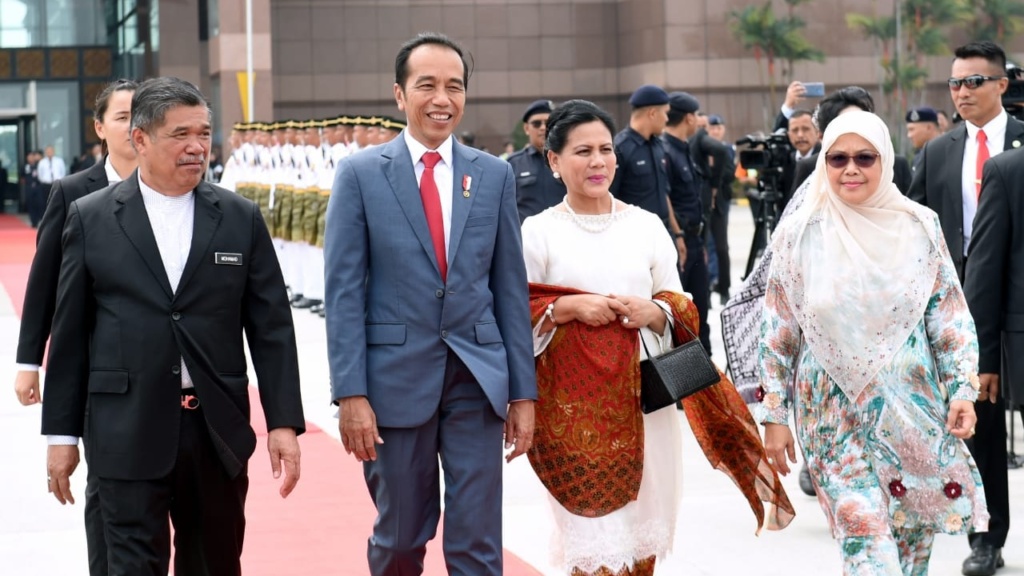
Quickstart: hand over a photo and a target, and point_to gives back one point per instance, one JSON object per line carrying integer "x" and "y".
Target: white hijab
{"x": 857, "y": 277}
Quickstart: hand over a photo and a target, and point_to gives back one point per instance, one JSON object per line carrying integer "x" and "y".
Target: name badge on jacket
{"x": 228, "y": 258}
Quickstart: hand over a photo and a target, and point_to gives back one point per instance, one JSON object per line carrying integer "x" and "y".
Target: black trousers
{"x": 989, "y": 450}
{"x": 206, "y": 507}
{"x": 720, "y": 231}
{"x": 96, "y": 541}
{"x": 694, "y": 277}
{"x": 35, "y": 201}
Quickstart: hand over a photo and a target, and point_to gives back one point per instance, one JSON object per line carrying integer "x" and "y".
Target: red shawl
{"x": 588, "y": 443}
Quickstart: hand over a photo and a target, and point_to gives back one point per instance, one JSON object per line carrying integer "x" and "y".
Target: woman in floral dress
{"x": 864, "y": 302}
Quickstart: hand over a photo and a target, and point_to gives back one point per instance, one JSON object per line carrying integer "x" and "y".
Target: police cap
{"x": 683, "y": 102}
{"x": 648, "y": 95}
{"x": 538, "y": 107}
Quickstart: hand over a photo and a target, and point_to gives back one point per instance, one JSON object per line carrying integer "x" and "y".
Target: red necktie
{"x": 982, "y": 157}
{"x": 432, "y": 208}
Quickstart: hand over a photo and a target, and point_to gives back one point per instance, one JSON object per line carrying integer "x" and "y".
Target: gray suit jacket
{"x": 391, "y": 319}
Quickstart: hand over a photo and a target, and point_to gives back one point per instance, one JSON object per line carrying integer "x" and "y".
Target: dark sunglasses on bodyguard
{"x": 861, "y": 159}
{"x": 972, "y": 81}
{"x": 538, "y": 124}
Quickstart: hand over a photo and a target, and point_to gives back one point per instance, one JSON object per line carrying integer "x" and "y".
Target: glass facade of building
{"x": 30, "y": 23}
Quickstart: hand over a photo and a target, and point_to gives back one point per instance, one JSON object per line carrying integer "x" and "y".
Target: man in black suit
{"x": 112, "y": 119}
{"x": 949, "y": 181}
{"x": 804, "y": 137}
{"x": 161, "y": 275}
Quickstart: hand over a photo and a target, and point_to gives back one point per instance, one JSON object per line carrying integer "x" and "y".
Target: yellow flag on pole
{"x": 243, "y": 93}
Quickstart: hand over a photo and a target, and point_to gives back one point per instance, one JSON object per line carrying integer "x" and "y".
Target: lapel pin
{"x": 1016, "y": 143}
{"x": 467, "y": 181}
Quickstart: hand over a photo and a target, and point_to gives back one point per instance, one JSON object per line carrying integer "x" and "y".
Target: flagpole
{"x": 248, "y": 62}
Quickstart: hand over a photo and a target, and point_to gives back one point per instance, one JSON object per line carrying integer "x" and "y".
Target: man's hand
{"x": 61, "y": 462}
{"x": 519, "y": 428}
{"x": 794, "y": 94}
{"x": 989, "y": 389}
{"x": 26, "y": 386}
{"x": 358, "y": 426}
{"x": 778, "y": 444}
{"x": 961, "y": 419}
{"x": 283, "y": 446}
{"x": 681, "y": 247}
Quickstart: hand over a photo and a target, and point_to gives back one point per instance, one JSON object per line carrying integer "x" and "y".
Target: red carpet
{"x": 321, "y": 528}
{"x": 17, "y": 246}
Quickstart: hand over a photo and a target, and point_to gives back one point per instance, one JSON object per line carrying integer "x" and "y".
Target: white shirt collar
{"x": 995, "y": 130}
{"x": 112, "y": 176}
{"x": 150, "y": 194}
{"x": 417, "y": 150}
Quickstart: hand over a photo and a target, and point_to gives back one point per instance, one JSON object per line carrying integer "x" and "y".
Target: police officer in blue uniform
{"x": 536, "y": 187}
{"x": 642, "y": 175}
{"x": 685, "y": 184}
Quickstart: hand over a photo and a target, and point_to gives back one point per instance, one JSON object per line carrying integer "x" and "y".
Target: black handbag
{"x": 674, "y": 375}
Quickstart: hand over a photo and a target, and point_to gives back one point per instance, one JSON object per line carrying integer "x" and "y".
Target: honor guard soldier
{"x": 642, "y": 178}
{"x": 537, "y": 189}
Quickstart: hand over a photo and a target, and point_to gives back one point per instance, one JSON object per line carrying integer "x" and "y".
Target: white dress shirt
{"x": 443, "y": 177}
{"x": 172, "y": 219}
{"x": 51, "y": 169}
{"x": 995, "y": 133}
{"x": 112, "y": 176}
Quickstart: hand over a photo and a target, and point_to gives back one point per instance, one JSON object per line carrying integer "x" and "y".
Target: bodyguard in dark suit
{"x": 161, "y": 276}
{"x": 112, "y": 123}
{"x": 949, "y": 182}
{"x": 428, "y": 324}
{"x": 537, "y": 189}
{"x": 994, "y": 280}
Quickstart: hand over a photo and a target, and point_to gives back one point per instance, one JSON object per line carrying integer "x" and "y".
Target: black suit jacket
{"x": 119, "y": 333}
{"x": 994, "y": 281}
{"x": 901, "y": 172}
{"x": 41, "y": 291}
{"x": 937, "y": 182}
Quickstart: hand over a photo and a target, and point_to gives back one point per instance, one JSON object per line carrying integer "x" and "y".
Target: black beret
{"x": 923, "y": 114}
{"x": 716, "y": 120}
{"x": 683, "y": 102}
{"x": 538, "y": 107}
{"x": 648, "y": 95}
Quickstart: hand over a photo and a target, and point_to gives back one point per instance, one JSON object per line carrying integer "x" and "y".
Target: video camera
{"x": 1013, "y": 98}
{"x": 769, "y": 156}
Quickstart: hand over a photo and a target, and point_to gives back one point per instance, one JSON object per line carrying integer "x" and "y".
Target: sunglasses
{"x": 842, "y": 159}
{"x": 972, "y": 81}
{"x": 538, "y": 123}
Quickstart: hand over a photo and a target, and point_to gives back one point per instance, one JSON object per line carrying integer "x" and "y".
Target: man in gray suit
{"x": 428, "y": 323}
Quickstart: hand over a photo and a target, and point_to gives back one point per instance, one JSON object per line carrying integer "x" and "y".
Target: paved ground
{"x": 715, "y": 536}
